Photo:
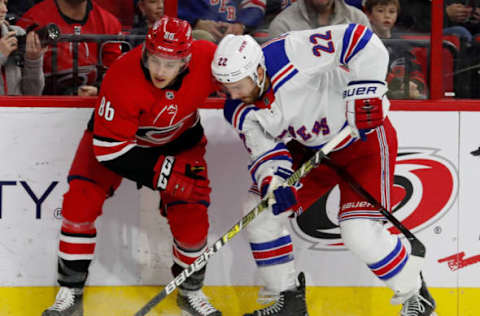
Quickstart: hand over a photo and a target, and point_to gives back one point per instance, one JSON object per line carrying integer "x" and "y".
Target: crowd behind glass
{"x": 68, "y": 51}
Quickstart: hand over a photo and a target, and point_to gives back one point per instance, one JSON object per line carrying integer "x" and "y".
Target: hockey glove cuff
{"x": 283, "y": 197}
{"x": 181, "y": 180}
{"x": 366, "y": 105}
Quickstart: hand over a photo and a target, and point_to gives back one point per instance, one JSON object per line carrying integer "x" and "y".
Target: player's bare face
{"x": 383, "y": 17}
{"x": 245, "y": 90}
{"x": 151, "y": 9}
{"x": 163, "y": 70}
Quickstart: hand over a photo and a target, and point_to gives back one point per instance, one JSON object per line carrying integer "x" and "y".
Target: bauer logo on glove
{"x": 366, "y": 105}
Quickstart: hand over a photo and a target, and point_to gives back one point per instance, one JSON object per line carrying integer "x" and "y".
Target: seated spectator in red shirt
{"x": 74, "y": 17}
{"x": 403, "y": 67}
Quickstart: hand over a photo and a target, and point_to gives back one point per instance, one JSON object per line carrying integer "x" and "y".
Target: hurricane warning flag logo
{"x": 425, "y": 188}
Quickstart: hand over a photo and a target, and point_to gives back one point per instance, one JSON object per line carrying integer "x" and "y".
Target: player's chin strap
{"x": 260, "y": 84}
{"x": 242, "y": 223}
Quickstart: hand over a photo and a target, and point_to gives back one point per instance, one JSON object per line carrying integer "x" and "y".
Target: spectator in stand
{"x": 415, "y": 16}
{"x": 17, "y": 8}
{"x": 214, "y": 21}
{"x": 403, "y": 67}
{"x": 462, "y": 18}
{"x": 123, "y": 10}
{"x": 310, "y": 14}
{"x": 148, "y": 11}
{"x": 21, "y": 69}
{"x": 274, "y": 7}
{"x": 74, "y": 17}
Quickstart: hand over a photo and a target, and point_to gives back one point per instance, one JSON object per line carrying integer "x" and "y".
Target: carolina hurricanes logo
{"x": 425, "y": 188}
{"x": 158, "y": 135}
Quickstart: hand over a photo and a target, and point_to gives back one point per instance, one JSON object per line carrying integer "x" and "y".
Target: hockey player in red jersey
{"x": 145, "y": 128}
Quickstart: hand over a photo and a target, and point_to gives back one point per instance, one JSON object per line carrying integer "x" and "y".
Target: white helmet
{"x": 237, "y": 57}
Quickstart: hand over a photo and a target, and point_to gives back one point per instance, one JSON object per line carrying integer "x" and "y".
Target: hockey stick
{"x": 242, "y": 223}
{"x": 418, "y": 248}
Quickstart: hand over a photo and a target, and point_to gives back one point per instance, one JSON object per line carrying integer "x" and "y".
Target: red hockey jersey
{"x": 96, "y": 21}
{"x": 135, "y": 122}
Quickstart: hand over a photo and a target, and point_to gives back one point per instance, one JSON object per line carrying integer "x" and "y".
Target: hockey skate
{"x": 195, "y": 303}
{"x": 420, "y": 304}
{"x": 69, "y": 302}
{"x": 289, "y": 303}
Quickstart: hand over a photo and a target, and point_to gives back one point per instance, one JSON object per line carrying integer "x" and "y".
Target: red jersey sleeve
{"x": 117, "y": 110}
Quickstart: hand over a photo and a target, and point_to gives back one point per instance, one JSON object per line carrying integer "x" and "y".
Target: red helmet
{"x": 170, "y": 37}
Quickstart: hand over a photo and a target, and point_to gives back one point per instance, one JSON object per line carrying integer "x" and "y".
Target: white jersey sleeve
{"x": 350, "y": 45}
{"x": 268, "y": 155}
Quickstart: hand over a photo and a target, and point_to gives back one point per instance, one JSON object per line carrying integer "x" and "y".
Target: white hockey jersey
{"x": 309, "y": 71}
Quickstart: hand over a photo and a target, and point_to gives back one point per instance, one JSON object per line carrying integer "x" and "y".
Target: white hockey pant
{"x": 385, "y": 255}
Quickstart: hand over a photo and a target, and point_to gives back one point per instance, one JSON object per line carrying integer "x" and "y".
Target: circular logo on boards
{"x": 425, "y": 188}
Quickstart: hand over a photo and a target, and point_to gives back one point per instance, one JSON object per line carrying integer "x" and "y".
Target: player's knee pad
{"x": 189, "y": 225}
{"x": 367, "y": 239}
{"x": 83, "y": 202}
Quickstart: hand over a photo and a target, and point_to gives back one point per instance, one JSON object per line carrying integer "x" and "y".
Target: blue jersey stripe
{"x": 229, "y": 109}
{"x": 362, "y": 43}
{"x": 242, "y": 117}
{"x": 275, "y": 57}
{"x": 279, "y": 84}
{"x": 346, "y": 40}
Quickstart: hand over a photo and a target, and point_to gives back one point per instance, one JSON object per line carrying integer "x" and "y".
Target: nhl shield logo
{"x": 169, "y": 95}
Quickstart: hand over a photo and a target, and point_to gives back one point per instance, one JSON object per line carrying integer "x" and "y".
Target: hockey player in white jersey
{"x": 307, "y": 86}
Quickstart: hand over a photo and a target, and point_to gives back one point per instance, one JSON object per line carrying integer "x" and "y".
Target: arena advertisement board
{"x": 434, "y": 196}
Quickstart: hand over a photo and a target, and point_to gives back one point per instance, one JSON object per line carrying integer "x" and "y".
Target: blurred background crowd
{"x": 63, "y": 47}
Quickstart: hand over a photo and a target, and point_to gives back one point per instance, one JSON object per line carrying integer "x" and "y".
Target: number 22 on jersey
{"x": 322, "y": 42}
